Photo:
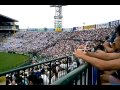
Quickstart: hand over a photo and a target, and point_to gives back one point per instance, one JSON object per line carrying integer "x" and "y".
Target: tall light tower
{"x": 58, "y": 17}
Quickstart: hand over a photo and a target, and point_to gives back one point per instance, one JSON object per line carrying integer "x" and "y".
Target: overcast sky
{"x": 40, "y": 16}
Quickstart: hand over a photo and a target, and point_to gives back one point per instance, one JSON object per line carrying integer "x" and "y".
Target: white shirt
{"x": 45, "y": 79}
{"x": 63, "y": 66}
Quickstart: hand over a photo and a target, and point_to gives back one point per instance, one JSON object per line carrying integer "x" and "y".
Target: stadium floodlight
{"x": 57, "y": 5}
{"x": 58, "y": 17}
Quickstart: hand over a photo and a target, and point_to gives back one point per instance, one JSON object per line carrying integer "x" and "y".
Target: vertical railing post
{"x": 24, "y": 76}
{"x": 18, "y": 78}
{"x": 81, "y": 78}
{"x": 98, "y": 77}
{"x": 90, "y": 75}
{"x": 85, "y": 77}
{"x": 76, "y": 80}
{"x": 67, "y": 64}
{"x": 50, "y": 73}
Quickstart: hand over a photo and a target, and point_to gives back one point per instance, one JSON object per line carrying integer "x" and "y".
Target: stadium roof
{"x": 4, "y": 18}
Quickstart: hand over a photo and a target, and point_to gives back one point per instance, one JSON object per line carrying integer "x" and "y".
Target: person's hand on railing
{"x": 84, "y": 48}
{"x": 79, "y": 52}
{"x": 81, "y": 46}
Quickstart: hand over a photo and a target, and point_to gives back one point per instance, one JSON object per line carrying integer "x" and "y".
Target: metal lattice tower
{"x": 58, "y": 17}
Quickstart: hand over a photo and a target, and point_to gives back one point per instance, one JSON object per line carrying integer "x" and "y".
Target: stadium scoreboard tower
{"x": 58, "y": 17}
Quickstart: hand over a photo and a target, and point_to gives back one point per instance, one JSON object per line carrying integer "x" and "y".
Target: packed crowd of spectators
{"x": 67, "y": 45}
{"x": 98, "y": 34}
{"x": 25, "y": 41}
{"x": 51, "y": 44}
{"x": 3, "y": 37}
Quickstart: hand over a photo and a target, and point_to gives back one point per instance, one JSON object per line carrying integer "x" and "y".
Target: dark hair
{"x": 117, "y": 30}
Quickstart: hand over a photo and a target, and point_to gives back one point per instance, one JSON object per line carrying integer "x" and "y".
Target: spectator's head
{"x": 117, "y": 39}
{"x": 43, "y": 71}
{"x": 117, "y": 30}
{"x": 32, "y": 80}
{"x": 117, "y": 43}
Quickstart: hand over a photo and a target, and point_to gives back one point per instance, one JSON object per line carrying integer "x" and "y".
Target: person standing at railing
{"x": 103, "y": 60}
{"x": 108, "y": 46}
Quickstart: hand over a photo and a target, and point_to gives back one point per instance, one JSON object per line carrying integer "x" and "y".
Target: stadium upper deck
{"x": 7, "y": 23}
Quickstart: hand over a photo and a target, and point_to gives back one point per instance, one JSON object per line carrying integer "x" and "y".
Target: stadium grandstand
{"x": 51, "y": 53}
{"x": 7, "y": 27}
{"x": 7, "y": 23}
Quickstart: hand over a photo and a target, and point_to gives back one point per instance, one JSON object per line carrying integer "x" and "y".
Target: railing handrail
{"x": 28, "y": 66}
{"x": 67, "y": 78}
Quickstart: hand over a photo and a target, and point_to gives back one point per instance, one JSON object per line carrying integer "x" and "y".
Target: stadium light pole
{"x": 58, "y": 17}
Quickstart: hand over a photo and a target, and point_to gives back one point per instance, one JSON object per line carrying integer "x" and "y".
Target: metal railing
{"x": 83, "y": 75}
{"x": 18, "y": 73}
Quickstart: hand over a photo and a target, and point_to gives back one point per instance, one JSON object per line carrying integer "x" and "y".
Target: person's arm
{"x": 103, "y": 55}
{"x": 99, "y": 63}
